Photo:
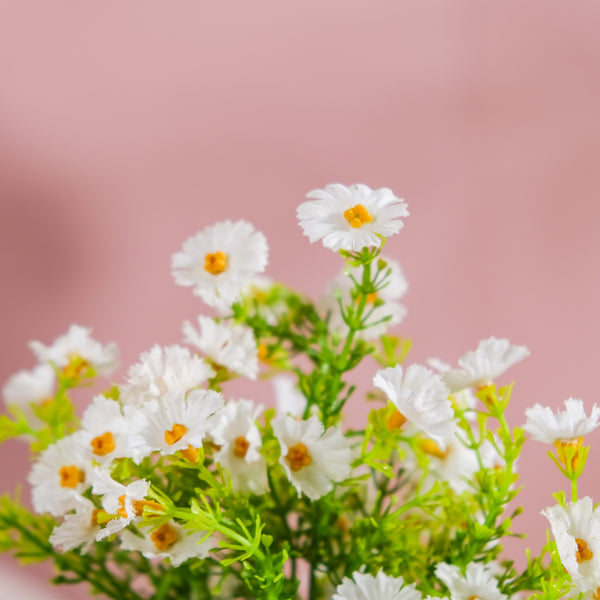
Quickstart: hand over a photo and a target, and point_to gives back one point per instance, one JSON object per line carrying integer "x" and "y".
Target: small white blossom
{"x": 78, "y": 528}
{"x": 239, "y": 439}
{"x": 465, "y": 399}
{"x": 421, "y": 397}
{"x": 161, "y": 370}
{"x": 546, "y": 426}
{"x": 219, "y": 260}
{"x": 312, "y": 458}
{"x": 77, "y": 343}
{"x": 478, "y": 582}
{"x": 171, "y": 541}
{"x": 480, "y": 367}
{"x": 363, "y": 586}
{"x": 289, "y": 399}
{"x": 576, "y": 530}
{"x": 230, "y": 346}
{"x": 178, "y": 422}
{"x": 351, "y": 218}
{"x": 59, "y": 470}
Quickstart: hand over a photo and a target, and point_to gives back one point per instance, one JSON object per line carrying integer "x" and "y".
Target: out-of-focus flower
{"x": 363, "y": 586}
{"x": 480, "y": 367}
{"x": 78, "y": 528}
{"x": 312, "y": 457}
{"x": 230, "y": 346}
{"x": 351, "y": 218}
{"x": 478, "y": 582}
{"x": 288, "y": 398}
{"x": 219, "y": 260}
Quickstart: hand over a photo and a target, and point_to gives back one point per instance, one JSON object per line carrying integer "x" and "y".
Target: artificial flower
{"x": 231, "y": 346}
{"x": 313, "y": 458}
{"x": 477, "y": 582}
{"x": 219, "y": 260}
{"x": 77, "y": 529}
{"x": 162, "y": 370}
{"x": 480, "y": 367}
{"x": 351, "y": 218}
{"x": 363, "y": 586}
{"x": 576, "y": 529}
{"x": 78, "y": 349}
{"x": 420, "y": 397}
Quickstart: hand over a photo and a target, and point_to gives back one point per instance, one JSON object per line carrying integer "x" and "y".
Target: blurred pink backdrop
{"x": 127, "y": 127}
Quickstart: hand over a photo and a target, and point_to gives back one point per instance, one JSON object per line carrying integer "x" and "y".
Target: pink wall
{"x": 126, "y": 127}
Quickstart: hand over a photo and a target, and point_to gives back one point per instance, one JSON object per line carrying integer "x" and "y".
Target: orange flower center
{"x": 215, "y": 263}
{"x": 298, "y": 457}
{"x": 240, "y": 446}
{"x": 103, "y": 444}
{"x": 431, "y": 448}
{"x": 76, "y": 366}
{"x": 173, "y": 436}
{"x": 395, "y": 421}
{"x": 71, "y": 477}
{"x": 164, "y": 537}
{"x": 562, "y": 449}
{"x": 190, "y": 454}
{"x": 583, "y": 552}
{"x": 357, "y": 216}
{"x": 138, "y": 506}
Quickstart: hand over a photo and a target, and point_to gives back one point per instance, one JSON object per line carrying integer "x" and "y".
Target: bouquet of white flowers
{"x": 168, "y": 488}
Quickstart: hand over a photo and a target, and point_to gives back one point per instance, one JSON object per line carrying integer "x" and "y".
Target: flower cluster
{"x": 187, "y": 492}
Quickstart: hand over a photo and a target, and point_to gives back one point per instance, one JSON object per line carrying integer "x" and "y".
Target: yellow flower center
{"x": 357, "y": 216}
{"x": 263, "y": 353}
{"x": 71, "y": 476}
{"x": 473, "y": 598}
{"x": 240, "y": 446}
{"x": 563, "y": 448}
{"x": 596, "y": 595}
{"x": 298, "y": 457}
{"x": 122, "y": 512}
{"x": 173, "y": 436}
{"x": 138, "y": 506}
{"x": 395, "y": 421}
{"x": 215, "y": 263}
{"x": 190, "y": 454}
{"x": 164, "y": 537}
{"x": 103, "y": 444}
{"x": 77, "y": 365}
{"x": 583, "y": 552}
{"x": 431, "y": 448}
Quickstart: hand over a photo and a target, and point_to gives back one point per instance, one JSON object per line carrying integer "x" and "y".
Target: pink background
{"x": 127, "y": 127}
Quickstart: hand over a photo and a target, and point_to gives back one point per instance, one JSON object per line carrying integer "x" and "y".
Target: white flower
{"x": 576, "y": 530}
{"x": 378, "y": 587}
{"x": 171, "y": 541}
{"x": 389, "y": 295}
{"x": 465, "y": 399}
{"x": 106, "y": 431}
{"x": 420, "y": 397}
{"x": 59, "y": 470}
{"x": 572, "y": 423}
{"x": 289, "y": 399}
{"x": 30, "y": 387}
{"x": 118, "y": 499}
{"x": 78, "y": 344}
{"x": 230, "y": 346}
{"x": 351, "y": 218}
{"x": 176, "y": 423}
{"x": 161, "y": 370}
{"x": 219, "y": 260}
{"x": 477, "y": 583}
{"x": 312, "y": 458}
{"x": 239, "y": 439}
{"x": 479, "y": 368}
{"x": 78, "y": 528}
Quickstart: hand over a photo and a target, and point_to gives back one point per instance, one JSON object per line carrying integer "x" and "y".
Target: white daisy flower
{"x": 126, "y": 501}
{"x": 176, "y": 423}
{"x": 576, "y": 530}
{"x": 421, "y": 398}
{"x": 465, "y": 399}
{"x": 351, "y": 218}
{"x": 30, "y": 387}
{"x": 239, "y": 440}
{"x": 478, "y": 582}
{"x": 161, "y": 370}
{"x": 312, "y": 458}
{"x": 479, "y": 368}
{"x": 78, "y": 528}
{"x": 106, "y": 431}
{"x": 77, "y": 347}
{"x": 59, "y": 470}
{"x": 171, "y": 541}
{"x": 230, "y": 346}
{"x": 378, "y": 587}
{"x": 289, "y": 400}
{"x": 389, "y": 295}
{"x": 219, "y": 260}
